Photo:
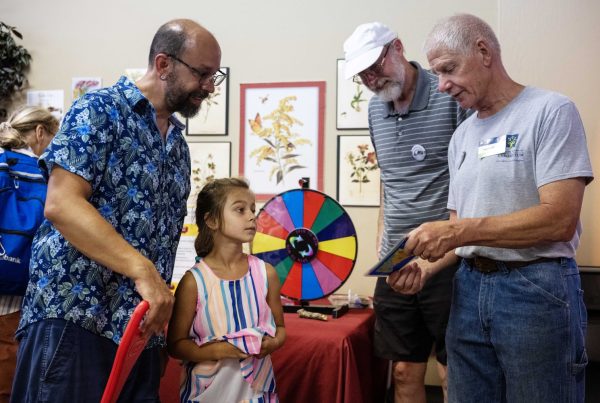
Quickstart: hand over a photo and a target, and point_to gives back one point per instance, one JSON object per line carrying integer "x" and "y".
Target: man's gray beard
{"x": 393, "y": 89}
{"x": 390, "y": 92}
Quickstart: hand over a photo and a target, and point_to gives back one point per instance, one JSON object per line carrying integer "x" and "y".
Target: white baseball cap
{"x": 364, "y": 46}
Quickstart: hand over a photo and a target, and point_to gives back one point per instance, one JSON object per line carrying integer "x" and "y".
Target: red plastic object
{"x": 131, "y": 346}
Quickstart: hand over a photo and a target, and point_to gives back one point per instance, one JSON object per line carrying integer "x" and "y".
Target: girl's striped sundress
{"x": 235, "y": 311}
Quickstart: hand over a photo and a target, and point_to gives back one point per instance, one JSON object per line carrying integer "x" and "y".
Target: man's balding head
{"x": 176, "y": 36}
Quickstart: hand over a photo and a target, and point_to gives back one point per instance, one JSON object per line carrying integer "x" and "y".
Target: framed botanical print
{"x": 281, "y": 135}
{"x": 352, "y": 102}
{"x": 358, "y": 181}
{"x": 210, "y": 160}
{"x": 212, "y": 119}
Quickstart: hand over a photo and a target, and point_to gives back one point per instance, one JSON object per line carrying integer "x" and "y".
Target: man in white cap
{"x": 411, "y": 124}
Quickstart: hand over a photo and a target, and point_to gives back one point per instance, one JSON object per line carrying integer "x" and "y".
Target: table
{"x": 330, "y": 361}
{"x": 320, "y": 361}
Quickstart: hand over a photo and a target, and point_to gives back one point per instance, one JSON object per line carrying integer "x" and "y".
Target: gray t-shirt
{"x": 545, "y": 142}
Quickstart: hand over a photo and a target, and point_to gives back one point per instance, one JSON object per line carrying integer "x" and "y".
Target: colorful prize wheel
{"x": 310, "y": 240}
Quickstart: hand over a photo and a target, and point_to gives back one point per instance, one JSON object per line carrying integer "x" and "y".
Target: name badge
{"x": 493, "y": 146}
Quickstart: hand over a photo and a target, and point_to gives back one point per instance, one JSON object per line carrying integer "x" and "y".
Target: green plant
{"x": 14, "y": 64}
{"x": 357, "y": 98}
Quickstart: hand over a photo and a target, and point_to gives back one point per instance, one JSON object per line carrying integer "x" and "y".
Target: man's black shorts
{"x": 407, "y": 326}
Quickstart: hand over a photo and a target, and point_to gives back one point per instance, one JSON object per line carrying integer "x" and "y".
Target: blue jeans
{"x": 59, "y": 361}
{"x": 517, "y": 335}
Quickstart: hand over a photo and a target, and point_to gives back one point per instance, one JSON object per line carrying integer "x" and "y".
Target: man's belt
{"x": 485, "y": 265}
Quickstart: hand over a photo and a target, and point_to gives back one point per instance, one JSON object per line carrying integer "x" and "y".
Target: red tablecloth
{"x": 329, "y": 362}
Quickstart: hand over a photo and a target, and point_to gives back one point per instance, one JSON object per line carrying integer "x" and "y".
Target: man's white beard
{"x": 390, "y": 92}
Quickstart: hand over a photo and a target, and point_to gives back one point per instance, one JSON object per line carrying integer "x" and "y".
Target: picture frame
{"x": 352, "y": 102}
{"x": 53, "y": 100}
{"x": 210, "y": 160}
{"x": 213, "y": 117}
{"x": 358, "y": 176}
{"x": 281, "y": 135}
{"x": 83, "y": 85}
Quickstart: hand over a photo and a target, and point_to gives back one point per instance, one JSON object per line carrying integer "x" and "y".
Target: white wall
{"x": 555, "y": 44}
{"x": 551, "y": 44}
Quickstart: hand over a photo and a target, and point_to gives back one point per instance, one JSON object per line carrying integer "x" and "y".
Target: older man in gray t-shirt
{"x": 518, "y": 170}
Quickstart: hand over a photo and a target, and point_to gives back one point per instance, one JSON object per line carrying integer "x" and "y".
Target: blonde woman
{"x": 29, "y": 128}
{"x": 27, "y": 132}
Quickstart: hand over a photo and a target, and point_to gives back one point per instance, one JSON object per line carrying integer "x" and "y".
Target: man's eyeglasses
{"x": 374, "y": 69}
{"x": 216, "y": 78}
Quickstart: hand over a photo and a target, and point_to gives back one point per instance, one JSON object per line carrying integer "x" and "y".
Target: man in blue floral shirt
{"x": 119, "y": 173}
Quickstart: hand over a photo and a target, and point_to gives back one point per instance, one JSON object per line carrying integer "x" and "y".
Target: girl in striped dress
{"x": 227, "y": 317}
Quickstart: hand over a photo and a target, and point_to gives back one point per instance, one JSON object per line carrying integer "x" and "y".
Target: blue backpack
{"x": 22, "y": 197}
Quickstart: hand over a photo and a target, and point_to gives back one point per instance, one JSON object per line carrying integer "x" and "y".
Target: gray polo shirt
{"x": 412, "y": 151}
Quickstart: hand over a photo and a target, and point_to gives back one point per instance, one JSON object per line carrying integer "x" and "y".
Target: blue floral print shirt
{"x": 140, "y": 184}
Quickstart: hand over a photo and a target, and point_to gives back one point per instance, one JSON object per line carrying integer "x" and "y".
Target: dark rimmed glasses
{"x": 216, "y": 78}
{"x": 374, "y": 69}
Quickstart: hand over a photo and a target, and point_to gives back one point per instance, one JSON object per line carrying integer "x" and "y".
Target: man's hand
{"x": 153, "y": 289}
{"x": 430, "y": 241}
{"x": 409, "y": 280}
